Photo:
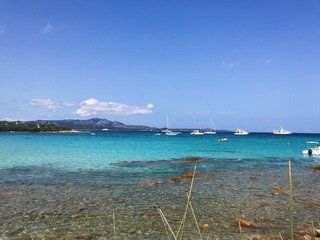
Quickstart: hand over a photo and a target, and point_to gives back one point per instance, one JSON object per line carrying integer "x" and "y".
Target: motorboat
{"x": 240, "y": 132}
{"x": 196, "y": 132}
{"x": 281, "y": 131}
{"x": 313, "y": 148}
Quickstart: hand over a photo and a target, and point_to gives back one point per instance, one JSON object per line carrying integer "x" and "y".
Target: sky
{"x": 251, "y": 64}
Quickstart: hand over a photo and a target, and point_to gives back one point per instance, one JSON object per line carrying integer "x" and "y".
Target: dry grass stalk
{"x": 166, "y": 224}
{"x": 291, "y": 202}
{"x": 280, "y": 236}
{"x": 182, "y": 224}
{"x": 114, "y": 224}
{"x": 183, "y": 221}
{"x": 240, "y": 229}
{"x": 195, "y": 219}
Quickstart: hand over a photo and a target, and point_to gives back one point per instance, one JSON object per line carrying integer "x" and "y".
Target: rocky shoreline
{"x": 228, "y": 204}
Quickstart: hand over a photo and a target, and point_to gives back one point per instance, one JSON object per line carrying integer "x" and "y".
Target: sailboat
{"x": 169, "y": 132}
{"x": 211, "y": 130}
{"x": 197, "y": 131}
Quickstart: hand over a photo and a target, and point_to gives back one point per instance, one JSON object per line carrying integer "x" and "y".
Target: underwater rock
{"x": 191, "y": 159}
{"x": 185, "y": 176}
{"x": 151, "y": 184}
{"x": 188, "y": 175}
{"x": 176, "y": 179}
{"x": 133, "y": 231}
{"x": 316, "y": 168}
{"x": 307, "y": 233}
{"x": 205, "y": 226}
{"x": 14, "y": 192}
{"x": 103, "y": 232}
{"x": 12, "y": 233}
{"x": 81, "y": 209}
{"x": 247, "y": 223}
{"x": 277, "y": 190}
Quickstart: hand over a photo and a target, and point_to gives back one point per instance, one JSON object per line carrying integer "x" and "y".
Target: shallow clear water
{"x": 67, "y": 185}
{"x": 99, "y": 151}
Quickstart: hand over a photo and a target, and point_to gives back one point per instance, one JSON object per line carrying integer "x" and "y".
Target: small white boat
{"x": 240, "y": 132}
{"x": 172, "y": 133}
{"x": 281, "y": 131}
{"x": 169, "y": 132}
{"x": 313, "y": 149}
{"x": 210, "y": 132}
{"x": 196, "y": 132}
{"x": 223, "y": 140}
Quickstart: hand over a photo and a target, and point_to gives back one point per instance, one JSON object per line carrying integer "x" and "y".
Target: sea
{"x": 142, "y": 185}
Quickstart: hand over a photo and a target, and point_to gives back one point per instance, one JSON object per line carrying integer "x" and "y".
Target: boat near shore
{"x": 313, "y": 148}
{"x": 240, "y": 132}
{"x": 196, "y": 132}
{"x": 170, "y": 132}
{"x": 281, "y": 131}
{"x": 210, "y": 131}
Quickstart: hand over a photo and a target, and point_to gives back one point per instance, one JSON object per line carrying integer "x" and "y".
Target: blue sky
{"x": 251, "y": 64}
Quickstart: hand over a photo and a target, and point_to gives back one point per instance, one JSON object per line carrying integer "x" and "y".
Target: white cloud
{"x": 45, "y": 103}
{"x": 150, "y": 106}
{"x": 69, "y": 104}
{"x": 48, "y": 28}
{"x": 93, "y": 106}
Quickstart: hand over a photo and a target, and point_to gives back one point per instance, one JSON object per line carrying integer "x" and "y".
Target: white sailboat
{"x": 169, "y": 132}
{"x": 211, "y": 130}
{"x": 197, "y": 131}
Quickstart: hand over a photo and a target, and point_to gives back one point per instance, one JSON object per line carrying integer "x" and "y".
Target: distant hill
{"x": 95, "y": 124}
{"x": 76, "y": 124}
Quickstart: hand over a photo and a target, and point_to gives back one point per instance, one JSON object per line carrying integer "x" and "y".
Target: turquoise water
{"x": 102, "y": 150}
{"x": 50, "y": 179}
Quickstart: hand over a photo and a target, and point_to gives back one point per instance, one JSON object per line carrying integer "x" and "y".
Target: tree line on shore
{"x": 20, "y": 126}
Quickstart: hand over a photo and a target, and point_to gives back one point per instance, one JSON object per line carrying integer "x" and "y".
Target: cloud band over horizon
{"x": 93, "y": 107}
